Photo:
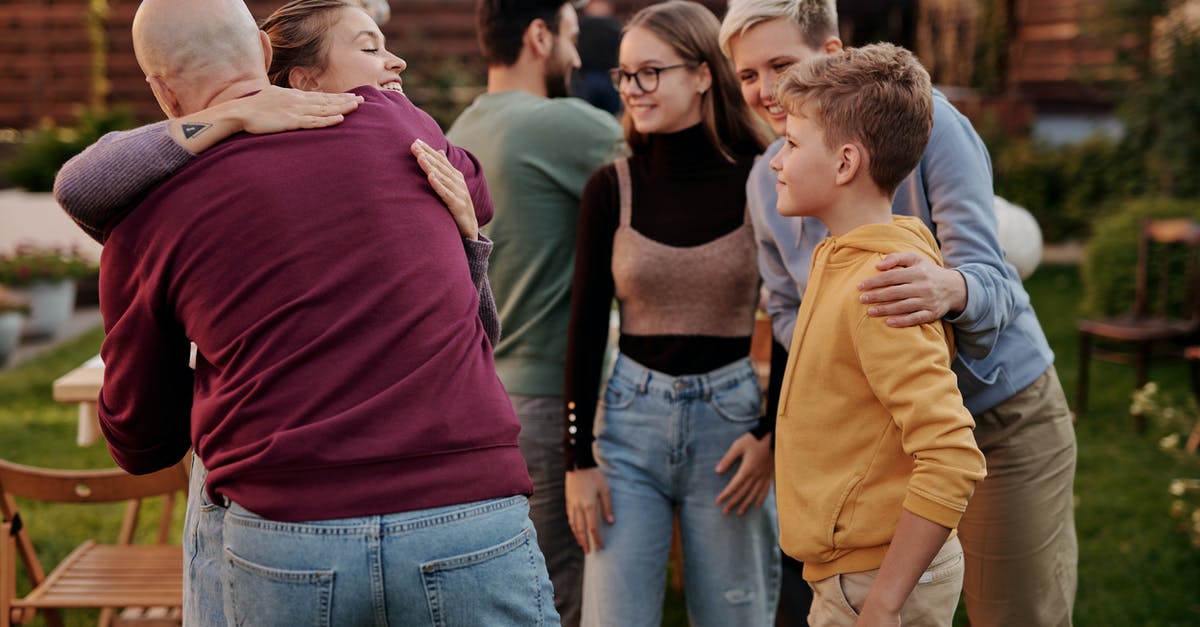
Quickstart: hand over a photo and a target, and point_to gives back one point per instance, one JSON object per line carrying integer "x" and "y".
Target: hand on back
{"x": 450, "y": 185}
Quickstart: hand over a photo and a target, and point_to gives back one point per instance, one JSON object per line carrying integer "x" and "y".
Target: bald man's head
{"x": 197, "y": 47}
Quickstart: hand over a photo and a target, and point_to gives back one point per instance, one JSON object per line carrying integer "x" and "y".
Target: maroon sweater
{"x": 342, "y": 368}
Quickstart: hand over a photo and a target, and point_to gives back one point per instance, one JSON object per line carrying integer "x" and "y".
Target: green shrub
{"x": 38, "y": 159}
{"x": 444, "y": 92}
{"x": 1110, "y": 263}
{"x": 1161, "y": 111}
{"x": 1065, "y": 187}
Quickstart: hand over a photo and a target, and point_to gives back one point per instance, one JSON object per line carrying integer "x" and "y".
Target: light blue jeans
{"x": 470, "y": 564}
{"x": 658, "y": 441}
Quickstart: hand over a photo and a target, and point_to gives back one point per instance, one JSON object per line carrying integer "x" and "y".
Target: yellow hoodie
{"x": 870, "y": 417}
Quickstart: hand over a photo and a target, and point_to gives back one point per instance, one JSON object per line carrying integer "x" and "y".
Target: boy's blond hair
{"x": 877, "y": 96}
{"x": 816, "y": 19}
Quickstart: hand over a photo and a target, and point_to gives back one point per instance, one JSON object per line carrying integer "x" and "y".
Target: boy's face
{"x": 760, "y": 56}
{"x": 805, "y": 168}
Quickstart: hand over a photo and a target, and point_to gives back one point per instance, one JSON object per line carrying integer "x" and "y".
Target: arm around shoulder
{"x": 97, "y": 186}
{"x": 957, "y": 174}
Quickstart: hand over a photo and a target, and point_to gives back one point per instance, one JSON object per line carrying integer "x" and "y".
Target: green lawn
{"x": 1135, "y": 566}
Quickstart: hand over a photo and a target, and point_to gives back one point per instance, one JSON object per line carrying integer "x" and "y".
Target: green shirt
{"x": 537, "y": 153}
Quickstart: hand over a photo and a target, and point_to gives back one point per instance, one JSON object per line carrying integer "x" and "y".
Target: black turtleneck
{"x": 684, "y": 193}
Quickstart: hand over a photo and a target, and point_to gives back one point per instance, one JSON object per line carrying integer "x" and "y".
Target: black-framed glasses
{"x": 645, "y": 77}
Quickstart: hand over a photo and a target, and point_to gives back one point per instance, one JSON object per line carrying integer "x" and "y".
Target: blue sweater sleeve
{"x": 957, "y": 176}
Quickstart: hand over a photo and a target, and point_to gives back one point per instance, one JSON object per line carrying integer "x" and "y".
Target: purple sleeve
{"x": 98, "y": 186}
{"x": 478, "y": 252}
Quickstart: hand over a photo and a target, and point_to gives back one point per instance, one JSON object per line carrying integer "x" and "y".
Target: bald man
{"x": 359, "y": 455}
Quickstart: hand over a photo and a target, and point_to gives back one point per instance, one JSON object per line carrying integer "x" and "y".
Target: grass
{"x": 1135, "y": 566}
{"x": 36, "y": 430}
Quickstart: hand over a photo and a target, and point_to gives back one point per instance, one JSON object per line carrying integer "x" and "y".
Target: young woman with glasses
{"x": 679, "y": 426}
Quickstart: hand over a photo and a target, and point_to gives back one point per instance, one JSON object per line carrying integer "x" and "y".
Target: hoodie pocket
{"x": 843, "y": 515}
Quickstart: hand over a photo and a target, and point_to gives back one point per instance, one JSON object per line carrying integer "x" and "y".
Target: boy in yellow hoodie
{"x": 875, "y": 457}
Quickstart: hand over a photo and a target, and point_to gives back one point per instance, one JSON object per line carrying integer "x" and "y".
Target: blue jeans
{"x": 658, "y": 441}
{"x": 202, "y": 547}
{"x": 470, "y": 564}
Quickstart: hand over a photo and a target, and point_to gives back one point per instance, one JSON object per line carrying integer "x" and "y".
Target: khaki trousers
{"x": 837, "y": 600}
{"x": 1018, "y": 533}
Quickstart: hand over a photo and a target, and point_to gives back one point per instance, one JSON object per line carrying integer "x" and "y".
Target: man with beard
{"x": 537, "y": 149}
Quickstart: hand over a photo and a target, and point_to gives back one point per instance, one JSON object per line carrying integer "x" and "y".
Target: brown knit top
{"x": 708, "y": 289}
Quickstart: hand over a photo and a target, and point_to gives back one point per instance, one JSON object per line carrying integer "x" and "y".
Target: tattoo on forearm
{"x": 192, "y": 130}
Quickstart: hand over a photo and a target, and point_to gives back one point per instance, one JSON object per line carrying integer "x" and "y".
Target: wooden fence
{"x": 46, "y": 58}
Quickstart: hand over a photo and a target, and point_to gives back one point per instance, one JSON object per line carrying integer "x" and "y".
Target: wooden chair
{"x": 122, "y": 575}
{"x": 1192, "y": 354}
{"x": 1168, "y": 255}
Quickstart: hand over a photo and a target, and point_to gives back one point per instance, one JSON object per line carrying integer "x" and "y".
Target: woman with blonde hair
{"x": 679, "y": 428}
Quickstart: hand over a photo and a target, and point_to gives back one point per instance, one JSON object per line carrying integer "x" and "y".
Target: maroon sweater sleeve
{"x": 472, "y": 171}
{"x": 591, "y": 301}
{"x": 146, "y": 399}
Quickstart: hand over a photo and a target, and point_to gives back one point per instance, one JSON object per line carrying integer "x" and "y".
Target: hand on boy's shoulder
{"x": 912, "y": 289}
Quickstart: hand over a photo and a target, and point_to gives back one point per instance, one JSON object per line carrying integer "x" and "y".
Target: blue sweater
{"x": 1001, "y": 347}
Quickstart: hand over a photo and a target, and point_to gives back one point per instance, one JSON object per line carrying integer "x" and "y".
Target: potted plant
{"x": 46, "y": 276}
{"x": 12, "y": 319}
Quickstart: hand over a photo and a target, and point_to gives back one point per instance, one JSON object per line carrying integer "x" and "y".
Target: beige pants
{"x": 838, "y": 599}
{"x": 1018, "y": 533}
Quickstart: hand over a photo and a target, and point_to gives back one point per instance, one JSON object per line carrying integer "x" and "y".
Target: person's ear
{"x": 265, "y": 40}
{"x": 831, "y": 45}
{"x": 705, "y": 78}
{"x": 851, "y": 160}
{"x": 304, "y": 78}
{"x": 539, "y": 39}
{"x": 168, "y": 101}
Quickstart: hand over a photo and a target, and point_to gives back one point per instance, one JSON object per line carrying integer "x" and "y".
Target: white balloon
{"x": 1020, "y": 236}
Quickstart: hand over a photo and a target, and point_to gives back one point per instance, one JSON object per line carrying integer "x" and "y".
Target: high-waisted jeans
{"x": 470, "y": 564}
{"x": 658, "y": 441}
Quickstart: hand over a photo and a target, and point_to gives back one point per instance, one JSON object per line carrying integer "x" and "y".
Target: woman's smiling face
{"x": 354, "y": 56}
{"x": 760, "y": 56}
{"x": 674, "y": 103}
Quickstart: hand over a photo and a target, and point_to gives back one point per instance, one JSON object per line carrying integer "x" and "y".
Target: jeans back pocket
{"x": 264, "y": 596}
{"x": 498, "y": 585}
